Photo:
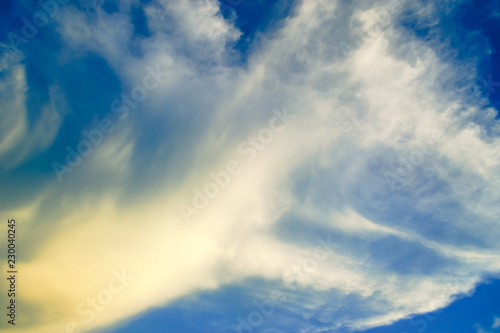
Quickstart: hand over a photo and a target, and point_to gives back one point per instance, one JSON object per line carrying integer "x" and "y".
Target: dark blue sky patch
{"x": 140, "y": 22}
{"x": 483, "y": 17}
{"x": 10, "y": 19}
{"x": 110, "y": 7}
{"x": 254, "y": 18}
{"x": 18, "y": 19}
{"x": 23, "y": 184}
{"x": 41, "y": 65}
{"x": 141, "y": 30}
{"x": 90, "y": 86}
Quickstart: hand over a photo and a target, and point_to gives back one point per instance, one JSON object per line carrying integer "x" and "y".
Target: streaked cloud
{"x": 361, "y": 111}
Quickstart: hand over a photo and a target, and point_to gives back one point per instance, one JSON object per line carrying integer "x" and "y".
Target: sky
{"x": 242, "y": 166}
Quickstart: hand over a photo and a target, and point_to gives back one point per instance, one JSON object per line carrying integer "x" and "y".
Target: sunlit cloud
{"x": 227, "y": 172}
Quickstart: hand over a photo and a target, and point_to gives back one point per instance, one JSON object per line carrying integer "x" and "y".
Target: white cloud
{"x": 496, "y": 322}
{"x": 18, "y": 139}
{"x": 356, "y": 115}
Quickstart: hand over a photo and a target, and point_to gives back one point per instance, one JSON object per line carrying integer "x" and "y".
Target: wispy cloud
{"x": 357, "y": 114}
{"x": 20, "y": 136}
{"x": 496, "y": 322}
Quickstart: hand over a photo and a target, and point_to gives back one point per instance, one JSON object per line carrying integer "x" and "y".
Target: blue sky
{"x": 252, "y": 166}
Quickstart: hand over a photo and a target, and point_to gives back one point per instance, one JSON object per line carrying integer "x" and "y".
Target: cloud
{"x": 359, "y": 113}
{"x": 496, "y": 322}
{"x": 22, "y": 137}
{"x": 479, "y": 329}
